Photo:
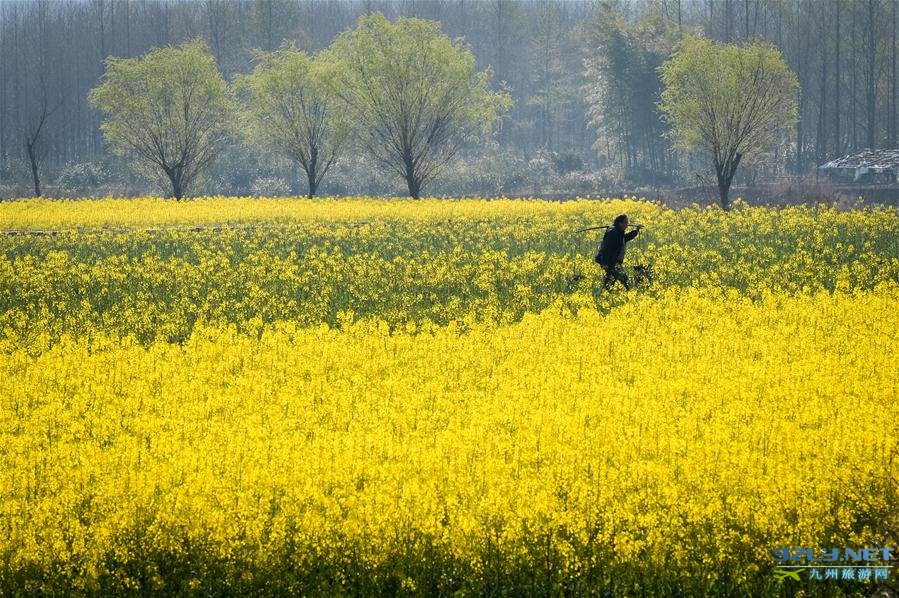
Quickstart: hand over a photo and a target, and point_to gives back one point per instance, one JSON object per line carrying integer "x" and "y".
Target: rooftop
{"x": 871, "y": 159}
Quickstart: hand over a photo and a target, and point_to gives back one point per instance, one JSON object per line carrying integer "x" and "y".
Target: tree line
{"x": 403, "y": 92}
{"x": 52, "y": 53}
{"x": 583, "y": 77}
{"x": 844, "y": 54}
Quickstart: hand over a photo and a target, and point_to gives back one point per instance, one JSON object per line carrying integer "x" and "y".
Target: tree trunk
{"x": 312, "y": 171}
{"x": 311, "y": 180}
{"x": 746, "y": 11}
{"x": 413, "y": 181}
{"x": 837, "y": 140}
{"x": 893, "y": 92}
{"x": 723, "y": 194}
{"x": 853, "y": 122}
{"x": 821, "y": 135}
{"x": 800, "y": 140}
{"x": 32, "y": 158}
{"x": 723, "y": 185}
{"x": 870, "y": 70}
{"x": 725, "y": 174}
{"x": 728, "y": 20}
{"x": 414, "y": 186}
{"x": 175, "y": 180}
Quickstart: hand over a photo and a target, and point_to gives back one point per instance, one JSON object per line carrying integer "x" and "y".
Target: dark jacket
{"x": 611, "y": 251}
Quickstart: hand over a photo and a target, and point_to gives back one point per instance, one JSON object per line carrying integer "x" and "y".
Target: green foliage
{"x": 723, "y": 95}
{"x": 624, "y": 85}
{"x": 168, "y": 111}
{"x": 416, "y": 91}
{"x": 567, "y": 162}
{"x": 735, "y": 102}
{"x": 554, "y": 78}
{"x": 290, "y": 103}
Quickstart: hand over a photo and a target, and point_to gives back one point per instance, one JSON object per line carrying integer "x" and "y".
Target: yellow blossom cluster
{"x": 499, "y": 436}
{"x": 134, "y": 267}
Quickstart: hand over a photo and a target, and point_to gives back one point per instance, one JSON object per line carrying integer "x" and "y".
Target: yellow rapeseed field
{"x": 385, "y": 397}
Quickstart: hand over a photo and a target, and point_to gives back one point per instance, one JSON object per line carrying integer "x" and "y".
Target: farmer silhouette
{"x": 611, "y": 252}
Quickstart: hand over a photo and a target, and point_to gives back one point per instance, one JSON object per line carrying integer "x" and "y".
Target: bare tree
{"x": 35, "y": 121}
{"x": 35, "y": 148}
{"x": 871, "y": 75}
{"x": 837, "y": 85}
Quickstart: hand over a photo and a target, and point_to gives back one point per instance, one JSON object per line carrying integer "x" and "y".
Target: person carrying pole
{"x": 611, "y": 252}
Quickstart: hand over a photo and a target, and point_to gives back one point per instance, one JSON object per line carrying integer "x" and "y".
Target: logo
{"x": 778, "y": 574}
{"x": 849, "y": 564}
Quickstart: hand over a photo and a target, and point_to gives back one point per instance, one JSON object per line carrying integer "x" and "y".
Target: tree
{"x": 37, "y": 86}
{"x": 621, "y": 63}
{"x": 530, "y": 45}
{"x": 293, "y": 107}
{"x": 553, "y": 91}
{"x": 733, "y": 101}
{"x": 416, "y": 92}
{"x": 168, "y": 111}
{"x": 871, "y": 74}
{"x": 35, "y": 150}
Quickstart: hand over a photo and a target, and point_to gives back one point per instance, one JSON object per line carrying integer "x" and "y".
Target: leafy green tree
{"x": 168, "y": 111}
{"x": 415, "y": 93}
{"x": 735, "y": 102}
{"x": 554, "y": 91}
{"x": 623, "y": 88}
{"x": 293, "y": 106}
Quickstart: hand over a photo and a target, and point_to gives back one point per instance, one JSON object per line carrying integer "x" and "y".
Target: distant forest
{"x": 583, "y": 76}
